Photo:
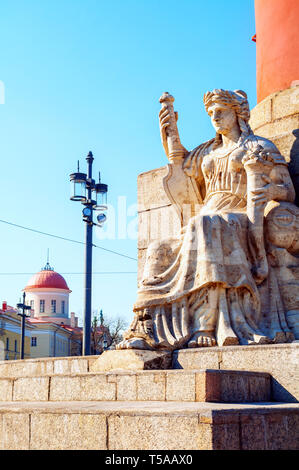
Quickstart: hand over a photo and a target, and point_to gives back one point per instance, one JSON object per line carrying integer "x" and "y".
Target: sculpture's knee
{"x": 160, "y": 255}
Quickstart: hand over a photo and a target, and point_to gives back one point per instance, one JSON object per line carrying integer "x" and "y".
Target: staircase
{"x": 65, "y": 403}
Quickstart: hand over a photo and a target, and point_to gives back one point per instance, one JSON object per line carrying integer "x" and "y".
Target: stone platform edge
{"x": 150, "y": 426}
{"x": 281, "y": 361}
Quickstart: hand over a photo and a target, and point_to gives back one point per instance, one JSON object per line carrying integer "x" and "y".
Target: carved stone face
{"x": 223, "y": 118}
{"x": 282, "y": 227}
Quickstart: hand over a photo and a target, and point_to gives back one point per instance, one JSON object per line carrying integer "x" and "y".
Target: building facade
{"x": 10, "y": 334}
{"x": 47, "y": 293}
{"x": 53, "y": 340}
{"x": 56, "y": 333}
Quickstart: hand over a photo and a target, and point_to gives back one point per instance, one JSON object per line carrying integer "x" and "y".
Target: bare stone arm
{"x": 258, "y": 165}
{"x": 267, "y": 180}
{"x": 277, "y": 185}
{"x": 169, "y": 131}
{"x": 282, "y": 186}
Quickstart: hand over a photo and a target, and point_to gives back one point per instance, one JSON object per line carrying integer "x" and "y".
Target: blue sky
{"x": 84, "y": 75}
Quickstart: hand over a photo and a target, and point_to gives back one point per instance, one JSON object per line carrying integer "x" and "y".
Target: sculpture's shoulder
{"x": 192, "y": 160}
{"x": 268, "y": 146}
{"x": 202, "y": 149}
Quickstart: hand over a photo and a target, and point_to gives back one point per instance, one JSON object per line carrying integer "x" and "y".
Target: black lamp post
{"x": 94, "y": 197}
{"x": 23, "y": 307}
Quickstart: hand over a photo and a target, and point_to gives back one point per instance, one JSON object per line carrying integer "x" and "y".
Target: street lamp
{"x": 23, "y": 307}
{"x": 94, "y": 197}
{"x": 101, "y": 195}
{"x": 78, "y": 186}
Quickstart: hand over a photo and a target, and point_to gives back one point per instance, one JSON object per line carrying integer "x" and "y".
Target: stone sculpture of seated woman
{"x": 220, "y": 285}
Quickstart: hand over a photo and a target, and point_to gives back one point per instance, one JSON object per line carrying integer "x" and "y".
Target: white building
{"x": 56, "y": 334}
{"x": 47, "y": 293}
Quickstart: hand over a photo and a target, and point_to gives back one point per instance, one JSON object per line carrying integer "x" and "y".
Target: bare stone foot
{"x": 202, "y": 339}
{"x": 231, "y": 341}
{"x": 259, "y": 339}
{"x": 283, "y": 337}
{"x": 133, "y": 343}
{"x": 289, "y": 337}
{"x": 265, "y": 340}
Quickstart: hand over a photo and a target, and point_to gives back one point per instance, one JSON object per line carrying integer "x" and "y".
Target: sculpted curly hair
{"x": 236, "y": 100}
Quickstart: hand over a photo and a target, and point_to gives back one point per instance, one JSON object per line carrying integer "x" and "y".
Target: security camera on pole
{"x": 84, "y": 188}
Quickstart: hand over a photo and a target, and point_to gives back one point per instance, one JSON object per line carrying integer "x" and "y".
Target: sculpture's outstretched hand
{"x": 164, "y": 121}
{"x": 169, "y": 130}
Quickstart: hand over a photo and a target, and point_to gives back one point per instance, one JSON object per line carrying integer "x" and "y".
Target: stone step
{"x": 46, "y": 366}
{"x": 279, "y": 360}
{"x": 144, "y": 385}
{"x": 126, "y": 359}
{"x": 147, "y": 426}
{"x": 110, "y": 360}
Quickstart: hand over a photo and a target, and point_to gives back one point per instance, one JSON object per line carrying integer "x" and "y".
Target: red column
{"x": 277, "y": 42}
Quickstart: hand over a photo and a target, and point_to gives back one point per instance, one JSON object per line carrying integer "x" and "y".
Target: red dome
{"x": 47, "y": 279}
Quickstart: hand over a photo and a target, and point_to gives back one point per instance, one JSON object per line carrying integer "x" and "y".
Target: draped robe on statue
{"x": 208, "y": 285}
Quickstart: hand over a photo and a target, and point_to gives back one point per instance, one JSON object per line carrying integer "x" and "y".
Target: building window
{"x": 32, "y": 304}
{"x": 33, "y": 341}
{"x": 63, "y": 307}
{"x": 53, "y": 306}
{"x": 7, "y": 344}
{"x": 16, "y": 345}
{"x": 41, "y": 306}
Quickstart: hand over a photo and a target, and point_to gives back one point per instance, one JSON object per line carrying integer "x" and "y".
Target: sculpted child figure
{"x": 207, "y": 291}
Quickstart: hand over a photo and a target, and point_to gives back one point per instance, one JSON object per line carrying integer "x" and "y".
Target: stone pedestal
{"x": 156, "y": 214}
{"x": 281, "y": 361}
{"x": 64, "y": 404}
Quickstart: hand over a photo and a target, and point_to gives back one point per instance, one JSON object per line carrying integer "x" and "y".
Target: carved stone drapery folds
{"x": 231, "y": 276}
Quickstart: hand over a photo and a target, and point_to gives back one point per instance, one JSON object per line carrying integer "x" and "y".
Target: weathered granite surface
{"x": 141, "y": 385}
{"x": 281, "y": 361}
{"x": 132, "y": 360}
{"x": 148, "y": 425}
{"x": 45, "y": 366}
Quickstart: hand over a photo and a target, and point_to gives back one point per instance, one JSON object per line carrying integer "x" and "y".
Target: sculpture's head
{"x": 228, "y": 109}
